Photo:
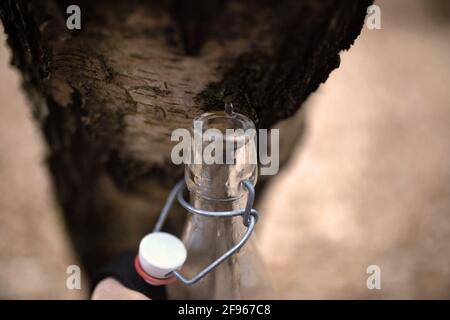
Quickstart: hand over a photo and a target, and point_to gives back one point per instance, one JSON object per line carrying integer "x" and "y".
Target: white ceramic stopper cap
{"x": 161, "y": 253}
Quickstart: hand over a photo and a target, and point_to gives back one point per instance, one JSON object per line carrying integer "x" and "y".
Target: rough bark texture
{"x": 108, "y": 96}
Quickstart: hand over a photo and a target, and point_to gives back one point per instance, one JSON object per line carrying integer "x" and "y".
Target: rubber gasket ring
{"x": 148, "y": 278}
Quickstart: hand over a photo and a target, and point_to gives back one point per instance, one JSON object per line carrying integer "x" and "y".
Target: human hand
{"x": 111, "y": 289}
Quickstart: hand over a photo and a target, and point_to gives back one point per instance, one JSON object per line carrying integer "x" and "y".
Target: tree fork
{"x": 108, "y": 96}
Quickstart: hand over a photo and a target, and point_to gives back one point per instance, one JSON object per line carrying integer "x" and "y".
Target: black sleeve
{"x": 122, "y": 269}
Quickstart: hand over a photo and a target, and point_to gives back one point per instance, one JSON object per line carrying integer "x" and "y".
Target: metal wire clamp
{"x": 249, "y": 217}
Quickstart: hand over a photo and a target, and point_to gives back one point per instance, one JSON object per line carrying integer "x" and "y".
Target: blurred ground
{"x": 34, "y": 250}
{"x": 369, "y": 185}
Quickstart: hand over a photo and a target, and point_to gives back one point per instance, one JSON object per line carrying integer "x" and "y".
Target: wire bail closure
{"x": 249, "y": 217}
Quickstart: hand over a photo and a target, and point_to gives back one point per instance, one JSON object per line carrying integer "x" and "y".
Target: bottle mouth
{"x": 234, "y": 127}
{"x": 232, "y": 136}
{"x": 222, "y": 120}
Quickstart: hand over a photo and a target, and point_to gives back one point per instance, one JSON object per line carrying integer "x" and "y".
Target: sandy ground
{"x": 370, "y": 185}
{"x": 34, "y": 248}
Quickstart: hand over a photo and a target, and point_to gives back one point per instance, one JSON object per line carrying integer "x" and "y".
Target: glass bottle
{"x": 217, "y": 187}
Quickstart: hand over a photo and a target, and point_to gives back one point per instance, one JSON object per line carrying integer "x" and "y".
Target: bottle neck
{"x": 210, "y": 204}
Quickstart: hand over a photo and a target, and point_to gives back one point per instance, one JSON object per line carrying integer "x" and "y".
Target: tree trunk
{"x": 108, "y": 96}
